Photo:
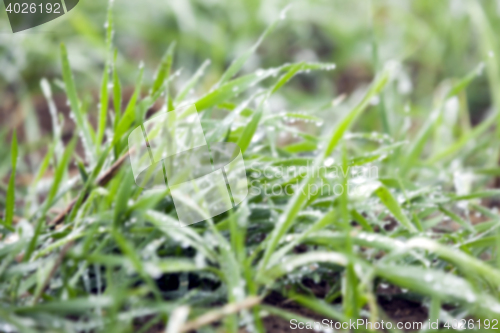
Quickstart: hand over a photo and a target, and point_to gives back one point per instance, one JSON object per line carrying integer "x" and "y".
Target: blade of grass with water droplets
{"x": 123, "y": 196}
{"x": 103, "y": 111}
{"x": 449, "y": 288}
{"x": 361, "y": 220}
{"x": 291, "y": 70}
{"x": 10, "y": 201}
{"x": 89, "y": 183}
{"x": 377, "y": 86}
{"x": 393, "y": 206}
{"x": 233, "y": 88}
{"x": 328, "y": 218}
{"x": 476, "y": 195}
{"x": 60, "y": 171}
{"x": 56, "y": 126}
{"x": 418, "y": 145}
{"x": 81, "y": 121}
{"x": 39, "y": 174}
{"x": 467, "y": 263}
{"x": 465, "y": 139}
{"x": 129, "y": 115}
{"x": 456, "y": 218}
{"x": 58, "y": 177}
{"x": 295, "y": 203}
{"x": 128, "y": 250}
{"x": 489, "y": 48}
{"x": 238, "y": 63}
{"x": 192, "y": 82}
{"x": 320, "y": 307}
{"x": 117, "y": 93}
{"x": 295, "y": 261}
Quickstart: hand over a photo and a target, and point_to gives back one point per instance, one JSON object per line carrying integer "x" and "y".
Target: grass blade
{"x": 192, "y": 82}
{"x": 447, "y": 287}
{"x": 302, "y": 194}
{"x": 103, "y": 113}
{"x": 117, "y": 93}
{"x": 392, "y": 204}
{"x": 163, "y": 71}
{"x": 11, "y": 199}
{"x": 238, "y": 63}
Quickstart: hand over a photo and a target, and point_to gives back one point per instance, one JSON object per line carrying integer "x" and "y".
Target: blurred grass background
{"x": 436, "y": 40}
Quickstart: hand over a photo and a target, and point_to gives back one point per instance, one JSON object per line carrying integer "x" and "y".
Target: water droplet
{"x": 329, "y": 161}
{"x": 471, "y": 298}
{"x": 375, "y": 100}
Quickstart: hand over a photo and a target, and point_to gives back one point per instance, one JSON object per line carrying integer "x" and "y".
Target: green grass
{"x": 83, "y": 249}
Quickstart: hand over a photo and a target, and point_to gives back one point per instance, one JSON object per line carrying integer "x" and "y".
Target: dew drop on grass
{"x": 428, "y": 277}
{"x": 153, "y": 270}
{"x": 329, "y": 161}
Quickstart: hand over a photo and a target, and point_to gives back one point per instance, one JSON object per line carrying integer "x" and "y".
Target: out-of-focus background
{"x": 435, "y": 40}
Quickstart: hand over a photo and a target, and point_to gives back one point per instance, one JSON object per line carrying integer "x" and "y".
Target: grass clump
{"x": 85, "y": 250}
